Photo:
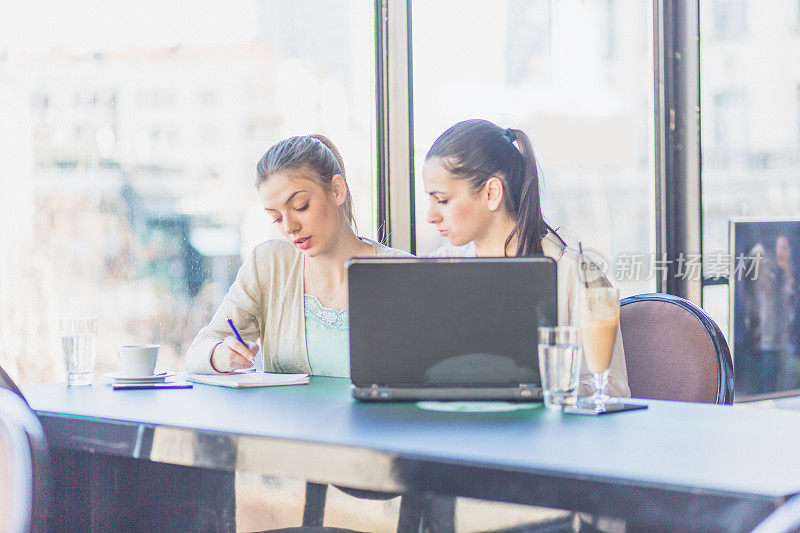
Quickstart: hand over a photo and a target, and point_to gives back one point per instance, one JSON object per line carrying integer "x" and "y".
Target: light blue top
{"x": 327, "y": 338}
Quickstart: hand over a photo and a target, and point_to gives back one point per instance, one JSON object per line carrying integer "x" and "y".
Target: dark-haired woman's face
{"x": 306, "y": 212}
{"x": 457, "y": 211}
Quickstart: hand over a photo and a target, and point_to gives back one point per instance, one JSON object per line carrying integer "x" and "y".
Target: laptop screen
{"x": 449, "y": 322}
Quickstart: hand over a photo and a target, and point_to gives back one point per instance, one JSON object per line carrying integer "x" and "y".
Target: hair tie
{"x": 511, "y": 135}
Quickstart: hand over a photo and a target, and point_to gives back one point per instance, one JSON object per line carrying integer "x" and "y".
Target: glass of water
{"x": 559, "y": 364}
{"x": 79, "y": 343}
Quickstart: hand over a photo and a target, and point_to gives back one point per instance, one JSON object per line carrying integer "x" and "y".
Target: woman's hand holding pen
{"x": 230, "y": 355}
{"x": 234, "y": 353}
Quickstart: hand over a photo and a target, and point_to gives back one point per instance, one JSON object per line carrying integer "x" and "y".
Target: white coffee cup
{"x": 139, "y": 360}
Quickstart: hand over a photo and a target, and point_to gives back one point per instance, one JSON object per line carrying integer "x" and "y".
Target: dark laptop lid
{"x": 448, "y": 322}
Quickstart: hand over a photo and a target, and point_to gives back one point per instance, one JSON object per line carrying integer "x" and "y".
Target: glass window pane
{"x": 750, "y": 101}
{"x": 750, "y": 119}
{"x": 128, "y": 148}
{"x": 577, "y": 78}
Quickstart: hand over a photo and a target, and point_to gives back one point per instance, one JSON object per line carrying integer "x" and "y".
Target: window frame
{"x": 678, "y": 198}
{"x": 394, "y": 124}
{"x": 676, "y": 141}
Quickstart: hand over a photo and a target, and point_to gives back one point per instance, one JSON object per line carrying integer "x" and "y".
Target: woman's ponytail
{"x": 348, "y": 202}
{"x": 531, "y": 227}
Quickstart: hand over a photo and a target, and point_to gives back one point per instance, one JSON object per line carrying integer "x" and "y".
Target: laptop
{"x": 448, "y": 329}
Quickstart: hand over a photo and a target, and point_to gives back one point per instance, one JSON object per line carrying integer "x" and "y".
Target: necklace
{"x": 314, "y": 288}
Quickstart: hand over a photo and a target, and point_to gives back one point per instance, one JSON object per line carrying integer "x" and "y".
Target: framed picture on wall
{"x": 765, "y": 306}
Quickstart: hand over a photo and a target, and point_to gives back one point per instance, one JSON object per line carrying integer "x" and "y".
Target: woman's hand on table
{"x": 230, "y": 355}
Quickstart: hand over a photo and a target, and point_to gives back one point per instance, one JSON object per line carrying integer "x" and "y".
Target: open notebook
{"x": 249, "y": 379}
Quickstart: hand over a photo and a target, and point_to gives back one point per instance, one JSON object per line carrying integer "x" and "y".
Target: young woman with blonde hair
{"x": 291, "y": 295}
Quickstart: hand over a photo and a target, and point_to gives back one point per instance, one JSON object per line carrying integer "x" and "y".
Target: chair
{"x": 7, "y": 383}
{"x": 412, "y": 509}
{"x": 784, "y": 519}
{"x": 674, "y": 351}
{"x": 24, "y": 489}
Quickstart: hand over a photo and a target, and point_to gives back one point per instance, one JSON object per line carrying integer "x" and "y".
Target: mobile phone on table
{"x": 589, "y": 410}
{"x": 141, "y": 386}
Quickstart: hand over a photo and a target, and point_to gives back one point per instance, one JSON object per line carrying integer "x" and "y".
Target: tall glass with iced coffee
{"x": 599, "y": 319}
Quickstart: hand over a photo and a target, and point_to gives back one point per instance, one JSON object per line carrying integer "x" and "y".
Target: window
{"x": 730, "y": 119}
{"x": 577, "y": 78}
{"x": 730, "y": 17}
{"x": 128, "y": 152}
{"x": 529, "y": 40}
{"x": 750, "y": 125}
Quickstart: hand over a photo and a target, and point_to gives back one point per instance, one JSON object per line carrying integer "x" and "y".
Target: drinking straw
{"x": 583, "y": 265}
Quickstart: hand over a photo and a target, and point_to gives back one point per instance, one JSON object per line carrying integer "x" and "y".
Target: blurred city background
{"x": 130, "y": 134}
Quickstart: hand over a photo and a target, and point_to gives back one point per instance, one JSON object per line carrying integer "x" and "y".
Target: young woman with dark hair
{"x": 292, "y": 294}
{"x": 483, "y": 185}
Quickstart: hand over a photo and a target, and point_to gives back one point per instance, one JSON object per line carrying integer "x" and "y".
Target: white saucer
{"x": 120, "y": 377}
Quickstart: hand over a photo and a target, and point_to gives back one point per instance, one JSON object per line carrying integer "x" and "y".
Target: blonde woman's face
{"x": 458, "y": 213}
{"x": 307, "y": 213}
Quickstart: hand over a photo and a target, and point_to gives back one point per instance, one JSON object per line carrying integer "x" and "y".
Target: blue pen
{"x": 239, "y": 338}
{"x": 236, "y": 332}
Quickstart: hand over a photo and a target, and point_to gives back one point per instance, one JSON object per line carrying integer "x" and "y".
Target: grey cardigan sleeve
{"x": 243, "y": 304}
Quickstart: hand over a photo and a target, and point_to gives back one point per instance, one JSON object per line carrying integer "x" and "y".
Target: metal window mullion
{"x": 381, "y": 119}
{"x": 395, "y": 188}
{"x": 677, "y": 141}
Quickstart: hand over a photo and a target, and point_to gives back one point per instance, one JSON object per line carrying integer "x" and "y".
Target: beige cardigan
{"x": 568, "y": 285}
{"x": 265, "y": 302}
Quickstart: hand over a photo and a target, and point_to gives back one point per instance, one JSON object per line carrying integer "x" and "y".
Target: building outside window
{"x": 128, "y": 149}
{"x": 577, "y": 78}
{"x": 750, "y": 125}
{"x": 730, "y": 17}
